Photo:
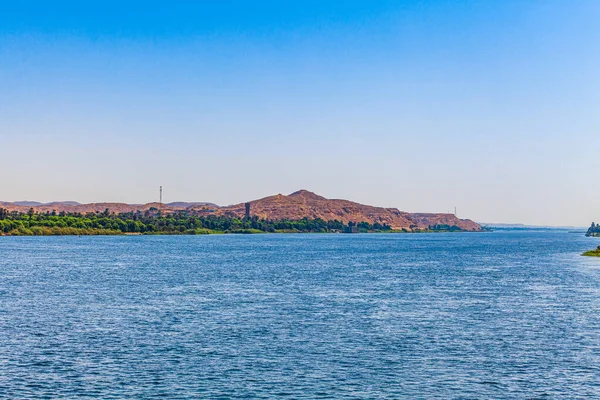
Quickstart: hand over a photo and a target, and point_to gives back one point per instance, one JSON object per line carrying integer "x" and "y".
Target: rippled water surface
{"x": 493, "y": 315}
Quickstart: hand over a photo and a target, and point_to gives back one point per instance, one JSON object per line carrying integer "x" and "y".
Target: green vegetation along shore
{"x": 592, "y": 253}
{"x": 594, "y": 230}
{"x": 154, "y": 223}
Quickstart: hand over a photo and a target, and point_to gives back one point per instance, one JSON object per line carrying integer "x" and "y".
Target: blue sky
{"x": 420, "y": 105}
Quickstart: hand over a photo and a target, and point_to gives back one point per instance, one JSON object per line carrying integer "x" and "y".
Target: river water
{"x": 506, "y": 314}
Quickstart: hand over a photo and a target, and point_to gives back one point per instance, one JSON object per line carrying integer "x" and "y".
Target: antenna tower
{"x": 160, "y": 197}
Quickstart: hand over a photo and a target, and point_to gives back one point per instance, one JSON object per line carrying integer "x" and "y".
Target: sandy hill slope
{"x": 305, "y": 204}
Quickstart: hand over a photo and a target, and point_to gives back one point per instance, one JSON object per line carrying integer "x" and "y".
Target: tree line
{"x": 154, "y": 222}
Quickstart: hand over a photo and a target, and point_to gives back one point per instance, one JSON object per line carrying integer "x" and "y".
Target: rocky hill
{"x": 298, "y": 205}
{"x": 303, "y": 204}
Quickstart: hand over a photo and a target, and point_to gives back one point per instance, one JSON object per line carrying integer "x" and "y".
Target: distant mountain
{"x": 75, "y": 207}
{"x": 62, "y": 203}
{"x": 502, "y": 225}
{"x": 523, "y": 226}
{"x": 296, "y": 206}
{"x": 27, "y": 203}
{"x": 37, "y": 203}
{"x": 184, "y": 204}
{"x": 305, "y": 204}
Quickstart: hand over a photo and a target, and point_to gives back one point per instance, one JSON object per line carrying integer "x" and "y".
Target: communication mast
{"x": 160, "y": 198}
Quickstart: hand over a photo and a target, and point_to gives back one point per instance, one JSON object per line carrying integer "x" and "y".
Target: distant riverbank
{"x": 44, "y": 231}
{"x": 181, "y": 223}
{"x": 592, "y": 253}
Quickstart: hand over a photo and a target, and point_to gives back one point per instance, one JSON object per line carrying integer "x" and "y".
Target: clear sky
{"x": 489, "y": 106}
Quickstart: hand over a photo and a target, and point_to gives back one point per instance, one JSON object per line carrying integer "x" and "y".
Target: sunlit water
{"x": 492, "y": 315}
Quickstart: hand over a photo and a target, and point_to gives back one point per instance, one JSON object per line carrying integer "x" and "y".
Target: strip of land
{"x": 592, "y": 253}
{"x": 301, "y": 211}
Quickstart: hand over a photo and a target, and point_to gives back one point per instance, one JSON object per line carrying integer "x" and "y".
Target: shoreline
{"x": 231, "y": 233}
{"x": 592, "y": 253}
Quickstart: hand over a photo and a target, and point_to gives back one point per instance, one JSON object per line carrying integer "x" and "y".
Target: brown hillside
{"x": 305, "y": 204}
{"x": 298, "y": 205}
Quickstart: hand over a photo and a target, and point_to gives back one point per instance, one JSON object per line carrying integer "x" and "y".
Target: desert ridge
{"x": 305, "y": 204}
{"x": 296, "y": 206}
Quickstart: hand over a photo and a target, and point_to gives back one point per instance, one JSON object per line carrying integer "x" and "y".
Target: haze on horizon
{"x": 488, "y": 106}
